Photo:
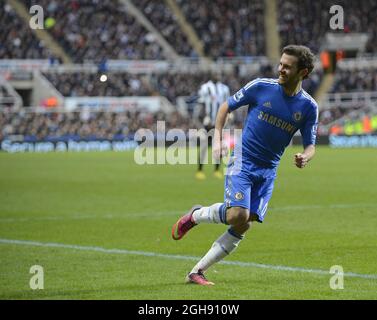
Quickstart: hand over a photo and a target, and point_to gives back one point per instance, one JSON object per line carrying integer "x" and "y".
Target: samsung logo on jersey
{"x": 277, "y": 122}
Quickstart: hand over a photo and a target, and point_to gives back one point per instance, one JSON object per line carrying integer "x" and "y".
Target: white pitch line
{"x": 330, "y": 206}
{"x": 178, "y": 257}
{"x": 177, "y": 213}
{"x": 93, "y": 216}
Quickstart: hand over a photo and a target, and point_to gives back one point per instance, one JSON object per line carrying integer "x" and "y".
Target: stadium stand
{"x": 94, "y": 30}
{"x": 355, "y": 80}
{"x": 17, "y": 41}
{"x": 86, "y": 125}
{"x": 306, "y": 22}
{"x": 79, "y": 84}
{"x": 161, "y": 16}
{"x": 8, "y": 96}
{"x": 170, "y": 84}
{"x": 227, "y": 28}
{"x": 5, "y": 97}
{"x": 352, "y": 98}
{"x": 91, "y": 31}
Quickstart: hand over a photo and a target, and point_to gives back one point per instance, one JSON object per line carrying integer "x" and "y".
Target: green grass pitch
{"x": 318, "y": 217}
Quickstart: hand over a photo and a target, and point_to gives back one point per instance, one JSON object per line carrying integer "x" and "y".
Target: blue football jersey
{"x": 272, "y": 120}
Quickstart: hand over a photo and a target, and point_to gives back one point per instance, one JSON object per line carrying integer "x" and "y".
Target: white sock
{"x": 222, "y": 247}
{"x": 211, "y": 214}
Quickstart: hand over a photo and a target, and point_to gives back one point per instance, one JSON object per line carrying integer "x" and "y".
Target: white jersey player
{"x": 211, "y": 95}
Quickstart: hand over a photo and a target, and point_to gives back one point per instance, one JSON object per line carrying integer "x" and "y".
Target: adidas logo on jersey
{"x": 267, "y": 104}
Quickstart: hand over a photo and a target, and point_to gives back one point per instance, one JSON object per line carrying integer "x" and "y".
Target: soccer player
{"x": 211, "y": 94}
{"x": 277, "y": 109}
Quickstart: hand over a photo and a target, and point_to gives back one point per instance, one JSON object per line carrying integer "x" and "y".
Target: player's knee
{"x": 242, "y": 228}
{"x": 237, "y": 216}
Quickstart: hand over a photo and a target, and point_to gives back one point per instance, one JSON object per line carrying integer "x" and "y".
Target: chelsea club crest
{"x": 297, "y": 116}
{"x": 239, "y": 196}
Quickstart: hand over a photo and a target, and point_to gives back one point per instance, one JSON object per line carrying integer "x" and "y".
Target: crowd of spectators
{"x": 85, "y": 125}
{"x": 17, "y": 40}
{"x": 349, "y": 81}
{"x": 306, "y": 21}
{"x": 170, "y": 84}
{"x": 79, "y": 84}
{"x": 354, "y": 119}
{"x": 227, "y": 28}
{"x": 327, "y": 116}
{"x": 163, "y": 19}
{"x": 173, "y": 85}
{"x": 355, "y": 80}
{"x": 97, "y": 29}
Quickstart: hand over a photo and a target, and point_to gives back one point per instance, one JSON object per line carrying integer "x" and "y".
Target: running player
{"x": 277, "y": 109}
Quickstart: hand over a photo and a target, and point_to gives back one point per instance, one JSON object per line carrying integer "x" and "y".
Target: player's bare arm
{"x": 302, "y": 159}
{"x": 220, "y": 122}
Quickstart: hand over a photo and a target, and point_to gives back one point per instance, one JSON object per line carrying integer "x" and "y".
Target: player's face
{"x": 288, "y": 70}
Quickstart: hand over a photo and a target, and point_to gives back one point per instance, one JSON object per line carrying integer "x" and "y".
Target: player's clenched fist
{"x": 216, "y": 150}
{"x": 220, "y": 149}
{"x": 300, "y": 160}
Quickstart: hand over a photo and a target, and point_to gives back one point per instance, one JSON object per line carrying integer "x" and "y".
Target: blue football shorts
{"x": 249, "y": 186}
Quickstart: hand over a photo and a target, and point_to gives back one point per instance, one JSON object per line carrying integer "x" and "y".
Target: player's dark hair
{"x": 303, "y": 54}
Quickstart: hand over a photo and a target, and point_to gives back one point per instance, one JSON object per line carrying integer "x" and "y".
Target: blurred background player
{"x": 211, "y": 96}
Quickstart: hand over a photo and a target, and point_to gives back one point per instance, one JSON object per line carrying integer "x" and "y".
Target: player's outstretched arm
{"x": 302, "y": 159}
{"x": 220, "y": 122}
